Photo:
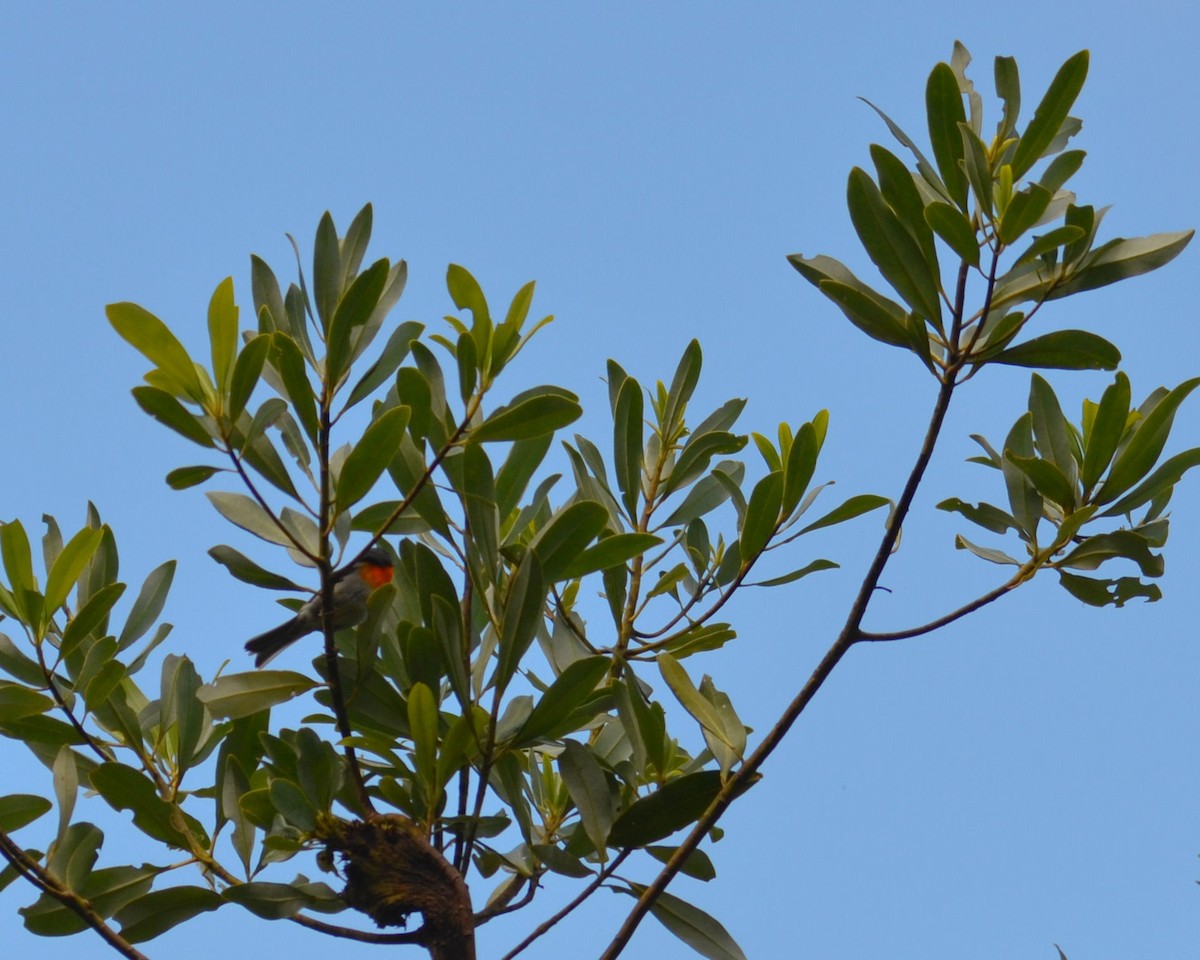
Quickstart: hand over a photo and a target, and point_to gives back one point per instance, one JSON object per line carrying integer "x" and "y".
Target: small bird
{"x": 351, "y": 587}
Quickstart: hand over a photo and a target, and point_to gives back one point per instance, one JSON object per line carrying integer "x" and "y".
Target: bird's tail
{"x": 266, "y": 645}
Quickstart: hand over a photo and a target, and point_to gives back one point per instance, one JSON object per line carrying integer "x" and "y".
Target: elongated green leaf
{"x": 246, "y": 513}
{"x": 573, "y": 686}
{"x": 700, "y": 931}
{"x": 327, "y": 270}
{"x": 223, "y": 332}
{"x": 354, "y": 309}
{"x": 1158, "y": 483}
{"x": 1023, "y": 212}
{"x": 522, "y": 614}
{"x": 924, "y": 167}
{"x": 394, "y": 352}
{"x": 246, "y": 570}
{"x": 277, "y": 901}
{"x": 128, "y": 789}
{"x": 683, "y": 383}
{"x": 1047, "y": 479}
{"x": 703, "y": 712}
{"x": 1062, "y": 350}
{"x": 1058, "y": 237}
{"x": 985, "y": 553}
{"x": 529, "y": 418}
{"x": 1120, "y": 259}
{"x": 1100, "y": 593}
{"x": 696, "y": 865}
{"x": 148, "y": 605}
{"x": 1008, "y": 89}
{"x": 611, "y": 551}
{"x": 423, "y": 722}
{"x": 853, "y": 507}
{"x": 370, "y": 456}
{"x": 156, "y": 912}
{"x": 246, "y": 372}
{"x": 183, "y": 477}
{"x": 17, "y": 701}
{"x": 627, "y": 444}
{"x": 1050, "y": 113}
{"x": 561, "y": 542}
{"x": 954, "y": 229}
{"x": 1147, "y": 442}
{"x": 1051, "y": 431}
{"x": 987, "y": 516}
{"x": 795, "y": 575}
{"x": 586, "y": 783}
{"x": 944, "y": 109}
{"x": 20, "y": 809}
{"x": 1061, "y": 169}
{"x": 288, "y": 360}
{"x": 890, "y": 246}
{"x": 1107, "y": 429}
{"x": 901, "y": 193}
{"x": 150, "y": 337}
{"x": 69, "y": 565}
{"x": 168, "y": 411}
{"x": 239, "y": 695}
{"x": 697, "y": 454}
{"x": 677, "y": 804}
{"x": 881, "y": 318}
{"x": 762, "y": 515}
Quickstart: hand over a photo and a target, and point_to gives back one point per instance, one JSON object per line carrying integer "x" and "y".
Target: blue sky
{"x": 1026, "y": 777}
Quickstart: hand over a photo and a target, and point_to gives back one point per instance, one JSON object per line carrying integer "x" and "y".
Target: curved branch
{"x": 1025, "y": 573}
{"x": 32, "y": 871}
{"x": 362, "y": 936}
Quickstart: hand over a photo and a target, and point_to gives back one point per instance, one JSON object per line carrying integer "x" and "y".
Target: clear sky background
{"x": 1026, "y": 777}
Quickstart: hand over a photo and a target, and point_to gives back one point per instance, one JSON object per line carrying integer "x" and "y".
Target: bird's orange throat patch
{"x": 377, "y": 574}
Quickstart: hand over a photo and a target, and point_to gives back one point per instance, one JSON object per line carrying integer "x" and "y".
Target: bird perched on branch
{"x": 351, "y": 586}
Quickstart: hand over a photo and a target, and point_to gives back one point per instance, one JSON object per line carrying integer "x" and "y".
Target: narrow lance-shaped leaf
{"x": 944, "y": 109}
{"x": 151, "y": 337}
{"x": 1050, "y": 113}
{"x": 370, "y": 456}
{"x": 627, "y": 444}
{"x": 223, "y": 332}
{"x": 588, "y": 787}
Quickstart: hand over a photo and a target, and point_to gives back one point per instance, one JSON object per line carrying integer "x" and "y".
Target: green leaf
{"x": 354, "y": 309}
{"x": 241, "y": 694}
{"x": 1106, "y": 430}
{"x": 1100, "y": 593}
{"x": 148, "y": 605}
{"x": 696, "y": 455}
{"x": 246, "y": 570}
{"x": 156, "y": 912}
{"x": 693, "y": 926}
{"x": 223, "y": 332}
{"x": 924, "y": 167}
{"x": 278, "y": 901}
{"x": 1061, "y": 169}
{"x": 795, "y": 575}
{"x": 150, "y": 337}
{"x": 901, "y": 193}
{"x": 17, "y": 701}
{"x": 183, "y": 477}
{"x": 1047, "y": 479}
{"x": 880, "y": 318}
{"x": 1008, "y": 89}
{"x": 586, "y": 783}
{"x": 1050, "y": 113}
{"x": 701, "y": 710}
{"x": 1118, "y": 544}
{"x": 955, "y": 230}
{"x": 987, "y": 516}
{"x": 20, "y": 809}
{"x": 423, "y": 722}
{"x": 394, "y": 352}
{"x": 555, "y": 707}
{"x": 944, "y": 107}
{"x": 1062, "y": 350}
{"x": 246, "y": 372}
{"x": 1120, "y": 259}
{"x": 627, "y": 444}
{"x": 1143, "y": 449}
{"x": 853, "y": 507}
{"x": 246, "y": 513}
{"x": 1023, "y": 212}
{"x": 533, "y": 417}
{"x": 762, "y": 516}
{"x": 1051, "y": 431}
{"x": 560, "y": 544}
{"x": 125, "y": 788}
{"x": 1169, "y": 473}
{"x": 985, "y": 553}
{"x": 287, "y": 359}
{"x": 370, "y": 456}
{"x": 69, "y": 565}
{"x": 522, "y": 614}
{"x": 696, "y": 865}
{"x": 799, "y": 468}
{"x": 168, "y": 411}
{"x": 1058, "y": 237}
{"x": 677, "y": 804}
{"x": 610, "y": 551}
{"x": 683, "y": 383}
{"x": 327, "y": 270}
{"x": 891, "y": 248}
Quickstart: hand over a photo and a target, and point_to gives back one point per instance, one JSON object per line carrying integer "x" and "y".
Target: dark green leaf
{"x": 277, "y": 901}
{"x": 683, "y": 383}
{"x": 762, "y": 516}
{"x": 851, "y": 508}
{"x": 1008, "y": 89}
{"x": 19, "y": 809}
{"x": 882, "y": 319}
{"x": 370, "y": 456}
{"x": 560, "y": 543}
{"x": 574, "y": 685}
{"x": 1024, "y": 210}
{"x": 148, "y": 605}
{"x": 954, "y": 229}
{"x": 586, "y": 783}
{"x": 1047, "y": 479}
{"x": 1107, "y": 429}
{"x": 184, "y": 477}
{"x": 534, "y": 417}
{"x": 693, "y": 926}
{"x": 522, "y": 614}
{"x": 1050, "y": 113}
{"x": 128, "y": 789}
{"x": 1159, "y": 482}
{"x": 157, "y": 912}
{"x": 677, "y": 804}
{"x": 944, "y": 107}
{"x": 168, "y": 411}
{"x": 327, "y": 270}
{"x": 1143, "y": 449}
{"x": 242, "y": 694}
{"x": 17, "y": 701}
{"x": 795, "y": 575}
{"x": 289, "y": 361}
{"x": 1062, "y": 350}
{"x": 891, "y": 248}
{"x": 608, "y": 552}
{"x": 1099, "y": 593}
{"x": 1120, "y": 259}
{"x": 627, "y": 444}
{"x": 901, "y": 193}
{"x": 396, "y": 349}
{"x": 223, "y": 332}
{"x": 246, "y": 570}
{"x": 696, "y": 865}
